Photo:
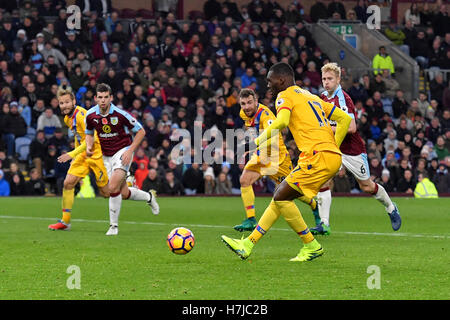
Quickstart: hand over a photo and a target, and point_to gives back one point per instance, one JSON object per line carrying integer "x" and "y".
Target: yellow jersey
{"x": 77, "y": 124}
{"x": 309, "y": 122}
{"x": 260, "y": 121}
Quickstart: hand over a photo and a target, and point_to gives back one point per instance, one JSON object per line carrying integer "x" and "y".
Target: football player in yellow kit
{"x": 275, "y": 163}
{"x": 307, "y": 117}
{"x": 74, "y": 117}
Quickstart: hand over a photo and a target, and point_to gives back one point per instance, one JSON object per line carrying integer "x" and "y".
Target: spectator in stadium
{"x": 440, "y": 148}
{"x": 223, "y": 184}
{"x": 336, "y": 7}
{"x": 357, "y": 91}
{"x": 152, "y": 181}
{"x": 442, "y": 179}
{"x": 313, "y": 75}
{"x": 394, "y": 33}
{"x": 208, "y": 174}
{"x": 141, "y": 174}
{"x": 382, "y": 60}
{"x": 193, "y": 181}
{"x": 211, "y": 8}
{"x": 171, "y": 185}
{"x": 17, "y": 185}
{"x": 437, "y": 87}
{"x": 35, "y": 186}
{"x": 377, "y": 85}
{"x": 318, "y": 11}
{"x": 59, "y": 140}
{"x": 341, "y": 182}
{"x": 420, "y": 49}
{"x": 391, "y": 85}
{"x": 361, "y": 10}
{"x": 50, "y": 52}
{"x": 48, "y": 122}
{"x": 406, "y": 184}
{"x": 412, "y": 14}
{"x": 13, "y": 126}
{"x": 13, "y": 170}
{"x": 292, "y": 14}
{"x": 4, "y": 185}
{"x": 386, "y": 182}
{"x": 441, "y": 21}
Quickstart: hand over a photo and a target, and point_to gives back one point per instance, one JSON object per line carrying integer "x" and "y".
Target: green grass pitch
{"x": 137, "y": 264}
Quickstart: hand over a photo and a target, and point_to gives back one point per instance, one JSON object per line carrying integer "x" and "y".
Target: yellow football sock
{"x": 67, "y": 203}
{"x": 248, "y": 199}
{"x": 309, "y": 201}
{"x": 265, "y": 223}
{"x": 295, "y": 220}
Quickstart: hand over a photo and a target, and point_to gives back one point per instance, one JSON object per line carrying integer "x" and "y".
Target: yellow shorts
{"x": 268, "y": 168}
{"x": 81, "y": 165}
{"x": 312, "y": 171}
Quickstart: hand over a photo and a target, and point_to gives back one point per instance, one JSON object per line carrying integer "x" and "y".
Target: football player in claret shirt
{"x": 307, "y": 117}
{"x": 74, "y": 118}
{"x": 275, "y": 163}
{"x": 354, "y": 156}
{"x": 114, "y": 127}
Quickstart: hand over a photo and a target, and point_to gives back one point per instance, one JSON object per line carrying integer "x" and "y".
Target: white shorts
{"x": 357, "y": 165}
{"x": 115, "y": 162}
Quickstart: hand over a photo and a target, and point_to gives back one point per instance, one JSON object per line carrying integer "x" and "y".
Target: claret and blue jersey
{"x": 114, "y": 129}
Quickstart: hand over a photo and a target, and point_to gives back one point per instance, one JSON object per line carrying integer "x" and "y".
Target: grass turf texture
{"x": 137, "y": 264}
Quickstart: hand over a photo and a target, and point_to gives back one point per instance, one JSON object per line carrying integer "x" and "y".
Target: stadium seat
{"x": 128, "y": 13}
{"x": 23, "y": 147}
{"x": 145, "y": 13}
{"x": 194, "y": 14}
{"x": 31, "y": 133}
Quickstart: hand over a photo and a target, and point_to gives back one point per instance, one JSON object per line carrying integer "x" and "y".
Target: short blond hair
{"x": 332, "y": 66}
{"x": 62, "y": 92}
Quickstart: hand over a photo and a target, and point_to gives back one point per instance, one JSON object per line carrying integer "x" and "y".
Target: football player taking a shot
{"x": 307, "y": 117}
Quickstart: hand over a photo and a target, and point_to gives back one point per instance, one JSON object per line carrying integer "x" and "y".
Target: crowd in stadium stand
{"x": 170, "y": 74}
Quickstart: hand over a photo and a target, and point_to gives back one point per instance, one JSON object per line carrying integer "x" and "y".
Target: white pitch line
{"x": 411, "y": 235}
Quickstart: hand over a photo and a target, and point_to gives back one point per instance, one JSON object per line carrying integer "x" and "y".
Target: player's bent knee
{"x": 69, "y": 184}
{"x": 244, "y": 181}
{"x": 104, "y": 192}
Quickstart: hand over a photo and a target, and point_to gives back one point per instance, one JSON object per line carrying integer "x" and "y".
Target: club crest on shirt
{"x": 280, "y": 102}
{"x": 114, "y": 120}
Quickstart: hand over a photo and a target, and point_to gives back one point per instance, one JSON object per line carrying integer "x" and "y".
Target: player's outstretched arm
{"x": 72, "y": 154}
{"x": 343, "y": 121}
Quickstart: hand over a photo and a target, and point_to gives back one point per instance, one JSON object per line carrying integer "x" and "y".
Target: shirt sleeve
{"x": 344, "y": 104}
{"x": 351, "y": 110}
{"x": 88, "y": 124}
{"x": 283, "y": 102}
{"x": 131, "y": 123}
